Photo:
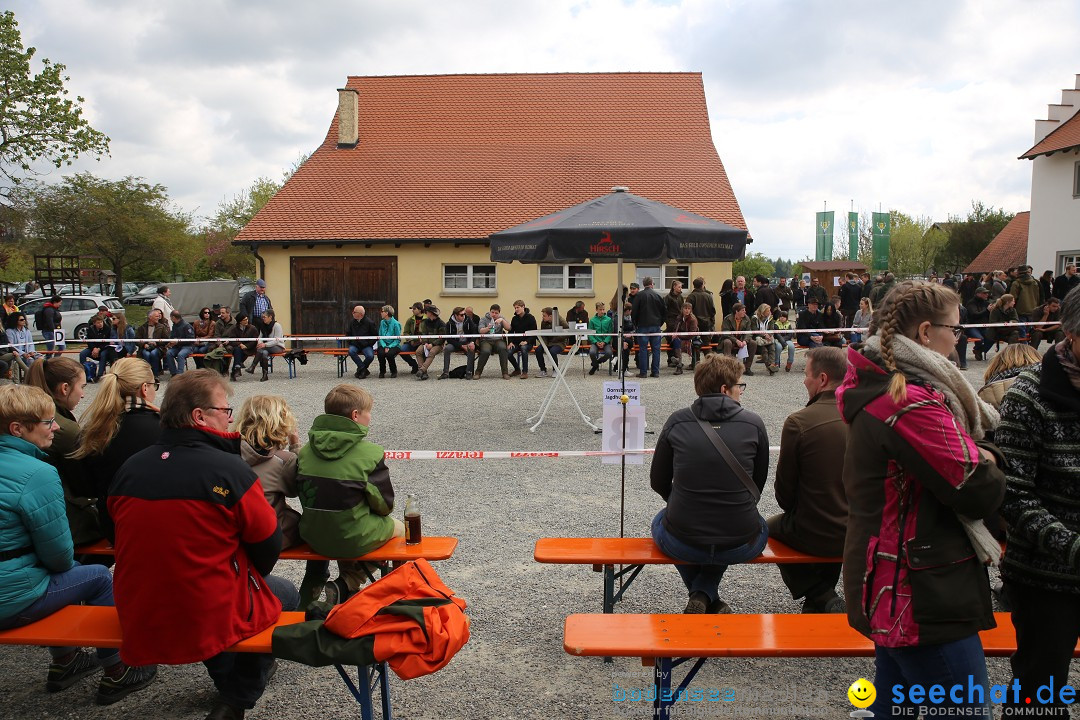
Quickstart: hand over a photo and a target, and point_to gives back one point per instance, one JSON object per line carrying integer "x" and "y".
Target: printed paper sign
{"x": 613, "y": 391}
{"x": 59, "y": 339}
{"x": 612, "y": 440}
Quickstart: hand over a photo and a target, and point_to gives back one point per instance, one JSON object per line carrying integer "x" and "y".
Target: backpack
{"x": 458, "y": 373}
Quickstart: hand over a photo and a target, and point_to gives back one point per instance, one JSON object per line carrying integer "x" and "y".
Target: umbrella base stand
{"x": 559, "y": 371}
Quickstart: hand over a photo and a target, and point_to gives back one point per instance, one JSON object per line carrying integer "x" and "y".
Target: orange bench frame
{"x": 635, "y": 553}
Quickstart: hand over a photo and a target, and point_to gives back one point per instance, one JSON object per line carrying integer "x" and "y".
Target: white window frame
{"x": 662, "y": 275}
{"x": 1068, "y": 257}
{"x": 471, "y": 276}
{"x": 565, "y": 290}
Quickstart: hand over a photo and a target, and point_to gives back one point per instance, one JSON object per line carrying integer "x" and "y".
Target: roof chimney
{"x": 348, "y": 117}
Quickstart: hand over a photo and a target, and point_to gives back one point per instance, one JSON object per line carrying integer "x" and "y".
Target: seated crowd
{"x": 762, "y": 321}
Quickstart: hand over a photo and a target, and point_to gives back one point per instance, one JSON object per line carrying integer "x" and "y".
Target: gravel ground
{"x": 514, "y": 665}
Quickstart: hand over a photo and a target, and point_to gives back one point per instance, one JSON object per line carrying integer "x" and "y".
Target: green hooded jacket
{"x": 344, "y": 488}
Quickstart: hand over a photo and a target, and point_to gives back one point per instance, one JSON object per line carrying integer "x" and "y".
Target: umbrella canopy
{"x": 619, "y": 226}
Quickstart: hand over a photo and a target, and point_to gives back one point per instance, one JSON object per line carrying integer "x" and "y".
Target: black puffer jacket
{"x": 707, "y": 503}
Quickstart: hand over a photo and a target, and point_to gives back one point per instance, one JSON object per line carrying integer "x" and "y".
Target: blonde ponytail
{"x": 102, "y": 419}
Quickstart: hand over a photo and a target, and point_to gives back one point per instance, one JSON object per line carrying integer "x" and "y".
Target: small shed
{"x": 832, "y": 273}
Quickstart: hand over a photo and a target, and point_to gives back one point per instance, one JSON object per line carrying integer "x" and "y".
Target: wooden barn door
{"x": 325, "y": 289}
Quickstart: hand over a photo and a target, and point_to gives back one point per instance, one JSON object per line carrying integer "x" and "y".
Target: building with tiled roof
{"x": 415, "y": 172}
{"x": 1054, "y": 229}
{"x": 1008, "y": 249}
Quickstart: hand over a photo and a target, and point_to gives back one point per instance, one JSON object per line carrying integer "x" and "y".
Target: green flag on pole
{"x": 853, "y": 236}
{"x": 823, "y": 249}
{"x": 882, "y": 234}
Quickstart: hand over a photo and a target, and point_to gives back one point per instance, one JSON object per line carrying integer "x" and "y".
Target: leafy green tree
{"x": 38, "y": 122}
{"x": 219, "y": 255}
{"x": 969, "y": 236}
{"x": 914, "y": 245}
{"x": 129, "y": 223}
{"x": 753, "y": 264}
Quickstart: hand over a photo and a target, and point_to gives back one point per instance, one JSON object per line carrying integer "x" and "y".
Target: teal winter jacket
{"x": 344, "y": 486}
{"x": 389, "y": 327}
{"x": 32, "y": 518}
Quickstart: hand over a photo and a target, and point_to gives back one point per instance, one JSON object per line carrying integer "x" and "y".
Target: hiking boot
{"x": 592, "y": 370}
{"x": 655, "y": 374}
{"x": 251, "y": 369}
{"x": 415, "y": 369}
{"x": 678, "y": 369}
{"x": 978, "y": 355}
{"x": 506, "y": 376}
{"x": 63, "y": 676}
{"x": 836, "y": 605}
{"x": 336, "y": 592}
{"x": 697, "y": 604}
{"x": 423, "y": 375}
{"x": 358, "y": 374}
{"x": 382, "y": 374}
{"x": 132, "y": 679}
{"x": 235, "y": 374}
{"x": 365, "y": 373}
{"x": 477, "y": 375}
{"x": 772, "y": 369}
{"x": 524, "y": 376}
{"x": 444, "y": 376}
{"x": 749, "y": 372}
{"x": 468, "y": 376}
{"x": 264, "y": 377}
{"x": 225, "y": 711}
{"x": 515, "y": 373}
{"x": 719, "y": 607}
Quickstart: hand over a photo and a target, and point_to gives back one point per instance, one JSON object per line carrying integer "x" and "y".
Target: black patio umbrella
{"x": 617, "y": 227}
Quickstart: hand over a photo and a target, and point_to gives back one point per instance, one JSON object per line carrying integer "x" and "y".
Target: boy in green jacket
{"x": 602, "y": 327}
{"x": 345, "y": 490}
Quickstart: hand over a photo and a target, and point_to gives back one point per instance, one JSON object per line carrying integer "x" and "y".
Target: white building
{"x": 1054, "y": 231}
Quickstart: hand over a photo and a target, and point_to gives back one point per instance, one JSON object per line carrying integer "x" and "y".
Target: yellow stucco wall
{"x": 420, "y": 272}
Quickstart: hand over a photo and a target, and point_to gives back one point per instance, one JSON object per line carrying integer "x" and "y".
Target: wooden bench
{"x": 665, "y": 641}
{"x": 86, "y": 626}
{"x": 635, "y": 553}
{"x": 394, "y": 551}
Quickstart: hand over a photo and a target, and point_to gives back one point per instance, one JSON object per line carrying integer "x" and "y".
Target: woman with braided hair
{"x": 918, "y": 477}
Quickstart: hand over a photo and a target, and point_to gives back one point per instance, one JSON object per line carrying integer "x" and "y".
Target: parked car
{"x": 66, "y": 289}
{"x": 129, "y": 288}
{"x": 145, "y": 296}
{"x": 75, "y": 311}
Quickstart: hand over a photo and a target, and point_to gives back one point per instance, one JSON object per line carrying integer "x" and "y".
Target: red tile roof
{"x": 1007, "y": 250}
{"x": 462, "y": 156}
{"x": 1065, "y": 137}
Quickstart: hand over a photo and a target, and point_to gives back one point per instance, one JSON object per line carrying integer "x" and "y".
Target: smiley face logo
{"x": 862, "y": 693}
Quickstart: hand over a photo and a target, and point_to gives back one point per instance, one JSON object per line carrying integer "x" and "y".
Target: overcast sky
{"x": 920, "y": 106}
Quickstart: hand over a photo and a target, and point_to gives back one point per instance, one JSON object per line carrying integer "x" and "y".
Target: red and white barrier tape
{"x": 515, "y": 454}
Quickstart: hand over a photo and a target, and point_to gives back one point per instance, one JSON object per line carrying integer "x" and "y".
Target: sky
{"x": 920, "y": 106}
